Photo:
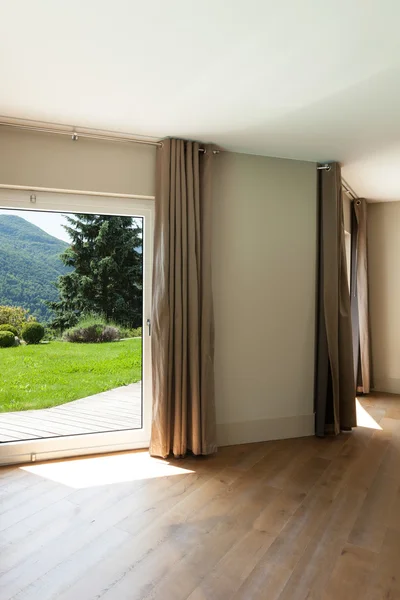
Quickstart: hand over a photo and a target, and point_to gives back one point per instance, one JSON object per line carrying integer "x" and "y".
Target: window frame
{"x": 65, "y": 201}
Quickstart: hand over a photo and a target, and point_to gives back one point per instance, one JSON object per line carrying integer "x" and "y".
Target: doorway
{"x": 100, "y": 398}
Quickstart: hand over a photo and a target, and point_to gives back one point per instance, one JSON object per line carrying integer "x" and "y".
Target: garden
{"x": 89, "y": 340}
{"x": 41, "y": 369}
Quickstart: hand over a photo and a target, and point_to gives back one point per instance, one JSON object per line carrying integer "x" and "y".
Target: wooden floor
{"x": 114, "y": 410}
{"x": 315, "y": 519}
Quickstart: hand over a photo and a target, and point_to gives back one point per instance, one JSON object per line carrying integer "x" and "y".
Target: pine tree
{"x": 106, "y": 257}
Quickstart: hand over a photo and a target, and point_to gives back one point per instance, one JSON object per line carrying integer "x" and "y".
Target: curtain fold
{"x": 359, "y": 296}
{"x": 335, "y": 393}
{"x": 182, "y": 314}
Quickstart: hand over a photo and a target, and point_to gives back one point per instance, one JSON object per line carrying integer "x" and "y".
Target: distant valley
{"x": 29, "y": 265}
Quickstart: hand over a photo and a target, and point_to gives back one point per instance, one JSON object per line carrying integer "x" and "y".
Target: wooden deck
{"x": 114, "y": 410}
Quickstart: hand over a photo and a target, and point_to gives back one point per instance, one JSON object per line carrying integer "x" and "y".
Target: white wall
{"x": 264, "y": 255}
{"x": 264, "y": 273}
{"x": 384, "y": 294}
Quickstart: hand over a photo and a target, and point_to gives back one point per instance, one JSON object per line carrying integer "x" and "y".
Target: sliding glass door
{"x": 75, "y": 289}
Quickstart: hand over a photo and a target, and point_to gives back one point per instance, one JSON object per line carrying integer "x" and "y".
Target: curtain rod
{"x": 75, "y": 134}
{"x": 345, "y": 186}
{"x": 347, "y": 189}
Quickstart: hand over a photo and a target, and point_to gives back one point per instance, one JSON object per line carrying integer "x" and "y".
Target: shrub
{"x": 92, "y": 334}
{"x": 11, "y": 328}
{"x": 137, "y": 332}
{"x": 90, "y": 318}
{"x": 131, "y": 333}
{"x": 7, "y": 339}
{"x": 110, "y": 334}
{"x": 51, "y": 334}
{"x": 32, "y": 333}
{"x": 15, "y": 316}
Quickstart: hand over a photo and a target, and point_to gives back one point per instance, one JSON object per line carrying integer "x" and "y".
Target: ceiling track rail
{"x": 75, "y": 133}
{"x": 348, "y": 190}
{"x": 345, "y": 186}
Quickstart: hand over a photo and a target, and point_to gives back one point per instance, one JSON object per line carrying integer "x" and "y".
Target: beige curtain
{"x": 335, "y": 386}
{"x": 182, "y": 320}
{"x": 360, "y": 293}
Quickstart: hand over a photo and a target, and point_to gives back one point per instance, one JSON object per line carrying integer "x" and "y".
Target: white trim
{"x": 68, "y": 446}
{"x": 56, "y": 200}
{"x": 263, "y": 430}
{"x": 26, "y": 188}
{"x": 58, "y": 447}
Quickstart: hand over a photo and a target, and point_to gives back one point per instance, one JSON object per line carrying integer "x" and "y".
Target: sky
{"x": 50, "y": 222}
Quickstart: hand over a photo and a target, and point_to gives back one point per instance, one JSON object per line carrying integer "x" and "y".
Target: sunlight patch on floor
{"x": 364, "y": 419}
{"x": 105, "y": 470}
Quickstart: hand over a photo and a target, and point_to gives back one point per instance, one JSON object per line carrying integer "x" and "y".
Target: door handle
{"x": 148, "y": 323}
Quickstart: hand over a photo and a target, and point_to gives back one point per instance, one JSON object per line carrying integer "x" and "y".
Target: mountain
{"x": 29, "y": 265}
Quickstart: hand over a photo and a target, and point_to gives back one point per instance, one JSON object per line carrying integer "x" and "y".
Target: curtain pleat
{"x": 182, "y": 315}
{"x": 359, "y": 296}
{"x": 354, "y": 296}
{"x": 334, "y": 387}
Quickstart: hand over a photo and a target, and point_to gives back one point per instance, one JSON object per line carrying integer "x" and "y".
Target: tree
{"x": 106, "y": 257}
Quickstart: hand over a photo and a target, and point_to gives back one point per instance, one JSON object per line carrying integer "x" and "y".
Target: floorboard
{"x": 302, "y": 519}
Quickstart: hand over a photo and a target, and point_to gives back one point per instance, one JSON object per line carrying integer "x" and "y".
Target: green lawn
{"x": 55, "y": 373}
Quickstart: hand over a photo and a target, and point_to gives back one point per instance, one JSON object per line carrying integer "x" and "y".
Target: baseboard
{"x": 263, "y": 430}
{"x": 387, "y": 385}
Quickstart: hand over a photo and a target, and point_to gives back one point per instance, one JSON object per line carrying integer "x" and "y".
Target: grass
{"x": 46, "y": 375}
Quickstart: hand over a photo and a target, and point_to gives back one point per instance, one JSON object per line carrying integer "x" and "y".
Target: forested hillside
{"x": 29, "y": 265}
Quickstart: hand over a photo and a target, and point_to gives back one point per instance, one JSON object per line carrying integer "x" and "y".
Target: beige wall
{"x": 264, "y": 272}
{"x": 384, "y": 294}
{"x": 47, "y": 160}
{"x": 264, "y": 255}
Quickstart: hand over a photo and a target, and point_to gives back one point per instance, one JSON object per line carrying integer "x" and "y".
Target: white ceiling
{"x": 302, "y": 79}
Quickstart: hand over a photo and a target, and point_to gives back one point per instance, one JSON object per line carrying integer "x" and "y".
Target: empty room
{"x": 199, "y": 300}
